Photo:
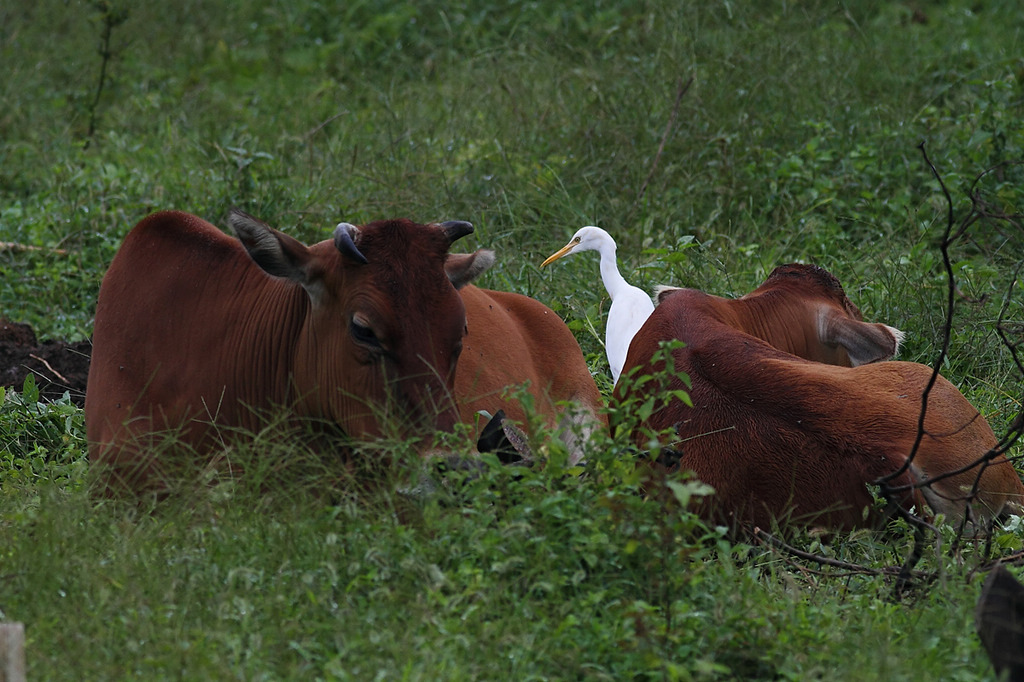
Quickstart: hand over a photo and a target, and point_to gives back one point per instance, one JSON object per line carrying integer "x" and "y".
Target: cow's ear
{"x": 463, "y": 268}
{"x": 275, "y": 252}
{"x": 864, "y": 342}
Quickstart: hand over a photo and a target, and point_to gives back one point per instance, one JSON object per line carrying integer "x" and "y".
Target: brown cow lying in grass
{"x": 519, "y": 350}
{"x": 784, "y": 438}
{"x": 198, "y": 334}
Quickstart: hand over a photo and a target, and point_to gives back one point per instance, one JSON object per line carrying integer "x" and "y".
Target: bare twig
{"x": 979, "y": 210}
{"x": 956, "y": 231}
{"x": 887, "y": 491}
{"x": 770, "y": 540}
{"x": 1008, "y": 333}
{"x": 112, "y": 17}
{"x": 50, "y": 367}
{"x": 16, "y": 247}
{"x": 1015, "y": 558}
{"x": 947, "y": 329}
{"x": 312, "y": 133}
{"x": 680, "y": 91}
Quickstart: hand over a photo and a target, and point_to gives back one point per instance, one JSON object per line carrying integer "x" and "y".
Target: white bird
{"x": 630, "y": 305}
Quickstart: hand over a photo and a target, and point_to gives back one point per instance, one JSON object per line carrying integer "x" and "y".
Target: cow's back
{"x": 176, "y": 294}
{"x": 513, "y": 339}
{"x": 769, "y": 452}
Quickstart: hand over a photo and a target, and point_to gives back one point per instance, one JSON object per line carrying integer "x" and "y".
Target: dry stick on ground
{"x": 49, "y": 367}
{"x": 16, "y": 247}
{"x": 12, "y": 652}
{"x": 770, "y": 540}
{"x": 1016, "y": 558}
{"x": 680, "y": 91}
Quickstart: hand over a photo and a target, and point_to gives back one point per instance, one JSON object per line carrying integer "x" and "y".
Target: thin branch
{"x": 50, "y": 367}
{"x": 887, "y": 491}
{"x": 771, "y": 540}
{"x": 1008, "y": 333}
{"x": 947, "y": 327}
{"x": 1015, "y": 558}
{"x": 979, "y": 210}
{"x": 16, "y": 247}
{"x": 312, "y": 133}
{"x": 112, "y": 18}
{"x": 680, "y": 91}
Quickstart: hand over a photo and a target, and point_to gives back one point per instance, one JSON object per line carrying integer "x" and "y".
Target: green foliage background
{"x": 796, "y": 141}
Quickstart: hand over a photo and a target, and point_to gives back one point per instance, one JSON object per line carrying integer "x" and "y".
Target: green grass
{"x": 797, "y": 141}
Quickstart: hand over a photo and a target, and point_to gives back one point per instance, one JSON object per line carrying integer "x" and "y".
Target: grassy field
{"x": 797, "y": 140}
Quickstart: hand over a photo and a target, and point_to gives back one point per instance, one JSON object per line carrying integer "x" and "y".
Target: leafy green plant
{"x": 42, "y": 441}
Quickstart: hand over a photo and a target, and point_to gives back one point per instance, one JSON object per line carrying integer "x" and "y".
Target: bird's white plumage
{"x": 630, "y": 305}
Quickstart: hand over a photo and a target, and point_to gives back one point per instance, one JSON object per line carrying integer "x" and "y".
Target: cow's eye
{"x": 363, "y": 334}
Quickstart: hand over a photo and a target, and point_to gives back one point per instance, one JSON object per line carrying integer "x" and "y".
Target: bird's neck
{"x": 613, "y": 281}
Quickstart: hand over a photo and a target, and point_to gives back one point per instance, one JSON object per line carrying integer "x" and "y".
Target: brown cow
{"x": 781, "y": 437}
{"x": 196, "y": 330}
{"x": 342, "y": 331}
{"x": 516, "y": 343}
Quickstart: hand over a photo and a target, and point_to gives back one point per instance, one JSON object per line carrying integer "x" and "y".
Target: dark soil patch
{"x": 56, "y": 366}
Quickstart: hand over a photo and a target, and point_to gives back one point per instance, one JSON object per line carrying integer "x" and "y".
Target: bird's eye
{"x": 362, "y": 333}
{"x": 576, "y": 239}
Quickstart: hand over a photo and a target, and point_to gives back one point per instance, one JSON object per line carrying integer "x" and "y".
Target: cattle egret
{"x": 630, "y": 305}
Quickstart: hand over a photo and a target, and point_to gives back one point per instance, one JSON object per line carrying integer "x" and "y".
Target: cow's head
{"x": 383, "y": 321}
{"x": 839, "y": 323}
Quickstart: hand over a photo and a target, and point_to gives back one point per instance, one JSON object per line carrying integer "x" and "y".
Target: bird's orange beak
{"x": 564, "y": 251}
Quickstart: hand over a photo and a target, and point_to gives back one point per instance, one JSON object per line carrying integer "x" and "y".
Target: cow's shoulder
{"x": 166, "y": 233}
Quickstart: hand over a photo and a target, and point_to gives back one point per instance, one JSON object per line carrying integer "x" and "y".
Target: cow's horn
{"x": 345, "y": 236}
{"x": 456, "y": 229}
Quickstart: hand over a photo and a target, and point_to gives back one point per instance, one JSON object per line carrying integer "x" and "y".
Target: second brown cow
{"x": 783, "y": 438}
